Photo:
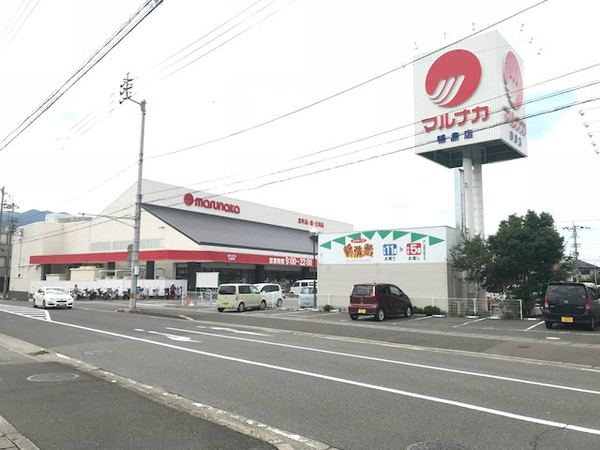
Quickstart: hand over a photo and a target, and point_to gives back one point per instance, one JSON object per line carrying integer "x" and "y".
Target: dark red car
{"x": 379, "y": 300}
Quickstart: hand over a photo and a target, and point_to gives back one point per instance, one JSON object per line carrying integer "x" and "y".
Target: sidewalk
{"x": 48, "y": 402}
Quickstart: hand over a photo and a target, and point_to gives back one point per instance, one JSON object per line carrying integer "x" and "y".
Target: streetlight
{"x": 314, "y": 237}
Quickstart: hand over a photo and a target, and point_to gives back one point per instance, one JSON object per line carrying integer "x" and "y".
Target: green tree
{"x": 525, "y": 254}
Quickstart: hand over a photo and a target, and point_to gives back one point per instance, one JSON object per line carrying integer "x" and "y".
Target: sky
{"x": 282, "y": 98}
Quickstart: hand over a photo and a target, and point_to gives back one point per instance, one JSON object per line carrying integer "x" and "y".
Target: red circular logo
{"x": 453, "y": 78}
{"x": 513, "y": 81}
{"x": 188, "y": 199}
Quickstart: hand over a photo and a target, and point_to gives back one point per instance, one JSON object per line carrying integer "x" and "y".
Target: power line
{"x": 94, "y": 59}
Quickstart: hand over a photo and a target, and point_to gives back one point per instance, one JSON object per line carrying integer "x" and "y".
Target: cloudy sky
{"x": 289, "y": 103}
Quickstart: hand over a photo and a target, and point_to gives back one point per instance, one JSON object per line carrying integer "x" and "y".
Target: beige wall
{"x": 424, "y": 283}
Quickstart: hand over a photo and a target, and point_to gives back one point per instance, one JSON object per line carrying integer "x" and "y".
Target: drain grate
{"x": 434, "y": 446}
{"x": 98, "y": 352}
{"x": 46, "y": 377}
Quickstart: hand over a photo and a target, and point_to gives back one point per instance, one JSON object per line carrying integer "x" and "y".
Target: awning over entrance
{"x": 208, "y": 229}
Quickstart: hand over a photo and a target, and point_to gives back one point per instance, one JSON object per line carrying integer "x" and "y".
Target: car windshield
{"x": 307, "y": 290}
{"x": 56, "y": 291}
{"x": 363, "y": 290}
{"x": 227, "y": 290}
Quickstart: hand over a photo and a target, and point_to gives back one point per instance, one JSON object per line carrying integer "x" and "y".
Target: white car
{"x": 52, "y": 297}
{"x": 273, "y": 292}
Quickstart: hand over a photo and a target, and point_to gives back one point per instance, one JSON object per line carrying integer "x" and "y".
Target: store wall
{"x": 421, "y": 282}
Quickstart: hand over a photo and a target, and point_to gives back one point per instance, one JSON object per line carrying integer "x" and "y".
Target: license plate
{"x": 566, "y": 319}
{"x": 362, "y": 311}
{"x": 225, "y": 304}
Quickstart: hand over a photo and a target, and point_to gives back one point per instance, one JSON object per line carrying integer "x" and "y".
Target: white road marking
{"x": 469, "y": 322}
{"x": 40, "y": 314}
{"x": 401, "y": 363}
{"x": 173, "y": 337}
{"x": 236, "y": 331}
{"x": 536, "y": 325}
{"x": 374, "y": 387}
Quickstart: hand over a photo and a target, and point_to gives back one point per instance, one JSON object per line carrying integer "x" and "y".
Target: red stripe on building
{"x": 174, "y": 255}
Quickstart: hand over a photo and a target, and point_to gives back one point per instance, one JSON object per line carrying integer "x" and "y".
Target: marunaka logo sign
{"x": 513, "y": 81}
{"x": 453, "y": 78}
{"x": 189, "y": 200}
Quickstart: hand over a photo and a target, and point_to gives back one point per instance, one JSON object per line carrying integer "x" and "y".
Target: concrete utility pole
{"x": 11, "y": 230}
{"x": 574, "y": 229}
{"x": 135, "y": 254}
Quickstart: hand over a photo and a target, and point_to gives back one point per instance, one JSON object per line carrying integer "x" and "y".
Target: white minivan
{"x": 298, "y": 285}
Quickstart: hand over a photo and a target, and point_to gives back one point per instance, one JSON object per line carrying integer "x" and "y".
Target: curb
{"x": 9, "y": 433}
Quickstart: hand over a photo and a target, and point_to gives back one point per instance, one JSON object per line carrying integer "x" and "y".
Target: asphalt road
{"x": 321, "y": 378}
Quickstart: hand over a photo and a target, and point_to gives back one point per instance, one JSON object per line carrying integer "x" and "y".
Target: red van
{"x": 379, "y": 300}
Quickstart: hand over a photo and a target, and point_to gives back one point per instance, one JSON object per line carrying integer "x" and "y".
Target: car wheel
{"x": 69, "y": 307}
{"x": 549, "y": 325}
{"x": 263, "y": 305}
{"x": 43, "y": 304}
{"x": 220, "y": 309}
{"x": 592, "y": 323}
{"x": 241, "y": 307}
{"x": 408, "y": 312}
{"x": 34, "y": 304}
{"x": 380, "y": 315}
{"x": 279, "y": 303}
{"x": 354, "y": 316}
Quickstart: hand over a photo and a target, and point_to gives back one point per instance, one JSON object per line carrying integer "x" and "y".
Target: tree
{"x": 525, "y": 254}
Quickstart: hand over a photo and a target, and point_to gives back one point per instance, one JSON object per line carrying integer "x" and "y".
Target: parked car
{"x": 52, "y": 297}
{"x": 299, "y": 284}
{"x": 572, "y": 303}
{"x": 379, "y": 300}
{"x": 273, "y": 292}
{"x": 240, "y": 296}
{"x": 308, "y": 298}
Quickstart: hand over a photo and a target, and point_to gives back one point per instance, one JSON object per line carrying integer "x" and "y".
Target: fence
{"x": 459, "y": 307}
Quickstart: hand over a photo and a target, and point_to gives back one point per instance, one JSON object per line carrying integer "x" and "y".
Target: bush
{"x": 327, "y": 308}
{"x": 417, "y": 310}
{"x": 431, "y": 310}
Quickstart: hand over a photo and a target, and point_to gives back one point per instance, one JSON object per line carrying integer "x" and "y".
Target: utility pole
{"x": 11, "y": 230}
{"x": 573, "y": 229}
{"x": 126, "y": 86}
{"x": 1, "y": 209}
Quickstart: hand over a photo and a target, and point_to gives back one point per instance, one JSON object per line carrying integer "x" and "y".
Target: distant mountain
{"x": 26, "y": 217}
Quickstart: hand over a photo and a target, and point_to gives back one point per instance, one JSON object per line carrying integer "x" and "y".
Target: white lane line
{"x": 374, "y": 387}
{"x": 536, "y": 325}
{"x": 40, "y": 314}
{"x": 421, "y": 318}
{"x": 469, "y": 322}
{"x": 391, "y": 361}
{"x": 238, "y": 331}
{"x": 173, "y": 337}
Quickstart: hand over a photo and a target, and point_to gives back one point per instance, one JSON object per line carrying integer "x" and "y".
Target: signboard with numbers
{"x": 420, "y": 245}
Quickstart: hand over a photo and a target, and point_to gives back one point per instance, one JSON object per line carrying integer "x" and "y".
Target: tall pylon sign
{"x": 469, "y": 112}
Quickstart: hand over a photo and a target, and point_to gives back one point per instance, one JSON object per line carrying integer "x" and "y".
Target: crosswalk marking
{"x": 40, "y": 314}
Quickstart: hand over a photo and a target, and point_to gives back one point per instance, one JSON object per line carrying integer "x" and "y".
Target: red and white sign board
{"x": 470, "y": 95}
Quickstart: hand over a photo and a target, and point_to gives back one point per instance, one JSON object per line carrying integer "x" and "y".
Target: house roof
{"x": 209, "y": 229}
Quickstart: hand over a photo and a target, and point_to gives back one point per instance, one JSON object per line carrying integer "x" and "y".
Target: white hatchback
{"x": 273, "y": 292}
{"x": 52, "y": 297}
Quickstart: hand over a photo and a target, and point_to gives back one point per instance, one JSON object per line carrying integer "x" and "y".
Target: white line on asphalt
{"x": 391, "y": 361}
{"x": 421, "y": 318}
{"x": 469, "y": 322}
{"x": 238, "y": 331}
{"x": 40, "y": 314}
{"x": 536, "y": 325}
{"x": 374, "y": 387}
